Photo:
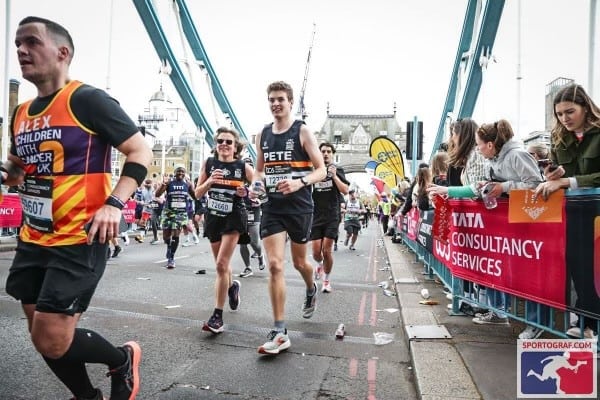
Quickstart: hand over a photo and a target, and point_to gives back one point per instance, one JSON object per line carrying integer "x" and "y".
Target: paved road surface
{"x": 164, "y": 310}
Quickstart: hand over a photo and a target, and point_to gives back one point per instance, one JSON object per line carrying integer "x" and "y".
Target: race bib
{"x": 36, "y": 200}
{"x": 222, "y": 207}
{"x": 275, "y": 174}
{"x": 323, "y": 185}
{"x": 178, "y": 205}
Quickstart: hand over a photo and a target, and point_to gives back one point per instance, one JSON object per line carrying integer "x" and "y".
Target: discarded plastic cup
{"x": 490, "y": 202}
{"x": 425, "y": 293}
{"x": 340, "y": 331}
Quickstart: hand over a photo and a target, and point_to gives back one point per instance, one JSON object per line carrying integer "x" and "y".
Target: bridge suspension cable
{"x": 161, "y": 44}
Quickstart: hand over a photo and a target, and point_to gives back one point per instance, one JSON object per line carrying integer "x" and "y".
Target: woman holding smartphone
{"x": 576, "y": 151}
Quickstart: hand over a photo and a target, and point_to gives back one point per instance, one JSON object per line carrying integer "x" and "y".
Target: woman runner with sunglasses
{"x": 223, "y": 178}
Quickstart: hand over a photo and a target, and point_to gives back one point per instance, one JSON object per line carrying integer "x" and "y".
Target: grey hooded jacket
{"x": 515, "y": 168}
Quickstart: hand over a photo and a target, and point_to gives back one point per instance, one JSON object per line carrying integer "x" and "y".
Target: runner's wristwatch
{"x": 304, "y": 181}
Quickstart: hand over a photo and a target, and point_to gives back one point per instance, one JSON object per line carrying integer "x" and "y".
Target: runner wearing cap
{"x": 354, "y": 209}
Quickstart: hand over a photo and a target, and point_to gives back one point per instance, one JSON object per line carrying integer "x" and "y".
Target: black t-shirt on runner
{"x": 326, "y": 195}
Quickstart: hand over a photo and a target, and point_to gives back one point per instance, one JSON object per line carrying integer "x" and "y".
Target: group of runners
{"x": 292, "y": 195}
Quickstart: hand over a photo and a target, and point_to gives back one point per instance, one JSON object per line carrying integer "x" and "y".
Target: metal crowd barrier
{"x": 553, "y": 320}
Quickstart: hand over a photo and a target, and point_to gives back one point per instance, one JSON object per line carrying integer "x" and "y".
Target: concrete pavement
{"x": 475, "y": 362}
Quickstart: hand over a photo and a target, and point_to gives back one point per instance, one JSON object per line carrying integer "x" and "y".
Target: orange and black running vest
{"x": 67, "y": 171}
{"x": 222, "y": 198}
{"x": 285, "y": 158}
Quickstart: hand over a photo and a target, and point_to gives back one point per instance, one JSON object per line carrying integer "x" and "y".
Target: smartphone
{"x": 547, "y": 162}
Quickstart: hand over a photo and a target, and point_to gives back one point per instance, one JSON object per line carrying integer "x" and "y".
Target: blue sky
{"x": 366, "y": 55}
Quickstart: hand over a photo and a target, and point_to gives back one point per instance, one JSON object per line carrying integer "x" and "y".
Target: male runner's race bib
{"x": 352, "y": 210}
{"x": 323, "y": 185}
{"x": 178, "y": 205}
{"x": 275, "y": 174}
{"x": 36, "y": 200}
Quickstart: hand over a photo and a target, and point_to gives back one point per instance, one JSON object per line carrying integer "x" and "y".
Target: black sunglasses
{"x": 228, "y": 141}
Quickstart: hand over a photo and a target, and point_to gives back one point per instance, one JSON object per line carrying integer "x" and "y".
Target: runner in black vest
{"x": 223, "y": 179}
{"x": 326, "y": 216}
{"x": 288, "y": 163}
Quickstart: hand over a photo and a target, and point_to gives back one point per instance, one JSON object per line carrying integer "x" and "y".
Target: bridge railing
{"x": 533, "y": 264}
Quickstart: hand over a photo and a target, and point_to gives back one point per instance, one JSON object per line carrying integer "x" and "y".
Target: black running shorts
{"x": 325, "y": 229}
{"x": 352, "y": 226}
{"x": 59, "y": 279}
{"x": 215, "y": 227}
{"x": 297, "y": 226}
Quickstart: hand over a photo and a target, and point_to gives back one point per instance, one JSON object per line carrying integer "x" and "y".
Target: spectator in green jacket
{"x": 576, "y": 151}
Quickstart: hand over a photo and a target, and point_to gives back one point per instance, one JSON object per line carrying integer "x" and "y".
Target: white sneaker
{"x": 278, "y": 341}
{"x": 575, "y": 332}
{"x": 326, "y": 287}
{"x": 531, "y": 332}
{"x": 491, "y": 318}
{"x": 196, "y": 240}
{"x": 318, "y": 271}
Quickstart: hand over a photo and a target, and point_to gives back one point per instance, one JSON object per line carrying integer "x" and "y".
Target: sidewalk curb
{"x": 8, "y": 244}
{"x": 440, "y": 371}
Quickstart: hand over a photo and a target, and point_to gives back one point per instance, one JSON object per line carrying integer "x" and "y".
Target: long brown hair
{"x": 459, "y": 154}
{"x": 423, "y": 180}
{"x": 576, "y": 94}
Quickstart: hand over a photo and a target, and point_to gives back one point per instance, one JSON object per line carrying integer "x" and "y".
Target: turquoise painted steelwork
{"x": 153, "y": 26}
{"x": 468, "y": 55}
{"x": 193, "y": 38}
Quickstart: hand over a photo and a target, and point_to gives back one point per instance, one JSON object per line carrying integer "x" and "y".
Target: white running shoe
{"x": 318, "y": 271}
{"x": 531, "y": 332}
{"x": 326, "y": 287}
{"x": 278, "y": 341}
{"x": 575, "y": 332}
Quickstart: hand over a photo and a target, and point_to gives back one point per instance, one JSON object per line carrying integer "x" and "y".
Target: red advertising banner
{"x": 129, "y": 211}
{"x": 524, "y": 259}
{"x": 412, "y": 223}
{"x": 10, "y": 211}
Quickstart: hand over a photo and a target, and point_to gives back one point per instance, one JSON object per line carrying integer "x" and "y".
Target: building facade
{"x": 544, "y": 137}
{"x": 352, "y": 135}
